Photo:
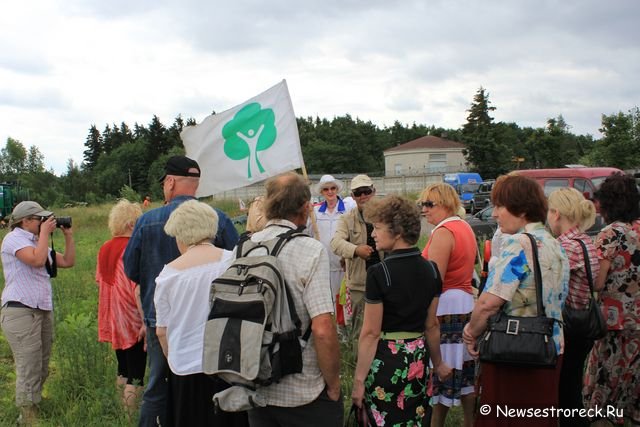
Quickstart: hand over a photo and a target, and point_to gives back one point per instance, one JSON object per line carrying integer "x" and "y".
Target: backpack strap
{"x": 274, "y": 250}
{"x": 284, "y": 238}
{"x": 241, "y": 241}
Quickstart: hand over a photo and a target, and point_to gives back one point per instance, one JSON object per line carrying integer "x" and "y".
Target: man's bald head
{"x": 287, "y": 197}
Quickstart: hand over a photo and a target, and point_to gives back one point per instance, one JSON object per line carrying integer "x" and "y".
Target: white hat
{"x": 361, "y": 181}
{"x": 327, "y": 179}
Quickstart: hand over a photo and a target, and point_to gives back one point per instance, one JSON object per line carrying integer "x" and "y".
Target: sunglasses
{"x": 334, "y": 188}
{"x": 360, "y": 191}
{"x": 428, "y": 204}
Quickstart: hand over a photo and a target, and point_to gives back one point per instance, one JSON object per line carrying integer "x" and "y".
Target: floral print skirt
{"x": 395, "y": 388}
{"x": 612, "y": 376}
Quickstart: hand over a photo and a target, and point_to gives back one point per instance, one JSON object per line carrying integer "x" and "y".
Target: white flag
{"x": 246, "y": 144}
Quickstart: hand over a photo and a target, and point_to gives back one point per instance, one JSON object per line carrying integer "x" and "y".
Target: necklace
{"x": 200, "y": 244}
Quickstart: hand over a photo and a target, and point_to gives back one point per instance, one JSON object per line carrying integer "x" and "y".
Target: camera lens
{"x": 63, "y": 221}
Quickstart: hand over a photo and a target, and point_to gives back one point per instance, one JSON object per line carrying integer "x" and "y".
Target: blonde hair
{"x": 123, "y": 216}
{"x": 571, "y": 204}
{"x": 192, "y": 222}
{"x": 442, "y": 194}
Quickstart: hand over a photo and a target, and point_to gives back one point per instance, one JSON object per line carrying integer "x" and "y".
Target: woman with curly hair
{"x": 401, "y": 300}
{"x": 613, "y": 368}
{"x": 452, "y": 247}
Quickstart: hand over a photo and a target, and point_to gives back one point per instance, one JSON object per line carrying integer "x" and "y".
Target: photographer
{"x": 27, "y": 316}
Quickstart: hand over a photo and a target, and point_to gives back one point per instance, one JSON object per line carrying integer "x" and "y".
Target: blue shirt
{"x": 150, "y": 248}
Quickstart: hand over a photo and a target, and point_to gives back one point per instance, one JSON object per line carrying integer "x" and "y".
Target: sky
{"x": 67, "y": 65}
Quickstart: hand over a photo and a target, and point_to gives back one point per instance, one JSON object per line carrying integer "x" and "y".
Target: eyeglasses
{"x": 334, "y": 188}
{"x": 428, "y": 204}
{"x": 360, "y": 191}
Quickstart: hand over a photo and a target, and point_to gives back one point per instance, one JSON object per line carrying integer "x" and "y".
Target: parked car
{"x": 482, "y": 223}
{"x": 482, "y": 197}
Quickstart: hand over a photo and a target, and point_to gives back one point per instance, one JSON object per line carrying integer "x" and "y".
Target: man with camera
{"x": 27, "y": 303}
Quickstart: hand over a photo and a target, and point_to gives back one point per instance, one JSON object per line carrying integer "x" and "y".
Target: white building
{"x": 429, "y": 154}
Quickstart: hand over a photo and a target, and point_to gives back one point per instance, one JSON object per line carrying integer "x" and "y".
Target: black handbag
{"x": 586, "y": 322}
{"x": 360, "y": 417}
{"x": 517, "y": 340}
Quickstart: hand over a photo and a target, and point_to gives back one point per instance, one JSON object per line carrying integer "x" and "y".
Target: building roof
{"x": 427, "y": 142}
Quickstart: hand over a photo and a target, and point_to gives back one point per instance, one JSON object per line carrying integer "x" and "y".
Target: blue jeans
{"x": 153, "y": 411}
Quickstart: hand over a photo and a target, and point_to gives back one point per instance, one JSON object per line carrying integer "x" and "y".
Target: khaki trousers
{"x": 29, "y": 332}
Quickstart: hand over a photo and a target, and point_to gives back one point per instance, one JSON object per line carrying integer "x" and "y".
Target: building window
{"x": 437, "y": 162}
{"x": 398, "y": 169}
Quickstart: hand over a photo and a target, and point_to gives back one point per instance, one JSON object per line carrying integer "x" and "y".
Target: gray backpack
{"x": 253, "y": 334}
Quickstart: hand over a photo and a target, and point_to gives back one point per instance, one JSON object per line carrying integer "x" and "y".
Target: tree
{"x": 13, "y": 157}
{"x": 157, "y": 137}
{"x": 173, "y": 133}
{"x": 488, "y": 154}
{"x": 35, "y": 160}
{"x": 95, "y": 147}
{"x": 553, "y": 146}
{"x": 620, "y": 144}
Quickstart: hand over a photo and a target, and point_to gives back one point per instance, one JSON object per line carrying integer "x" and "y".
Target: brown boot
{"x": 28, "y": 415}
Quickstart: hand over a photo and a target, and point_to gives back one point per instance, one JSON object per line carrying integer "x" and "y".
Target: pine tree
{"x": 94, "y": 148}
{"x": 487, "y": 154}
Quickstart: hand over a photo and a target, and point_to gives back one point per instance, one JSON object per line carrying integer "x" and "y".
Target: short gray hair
{"x": 192, "y": 222}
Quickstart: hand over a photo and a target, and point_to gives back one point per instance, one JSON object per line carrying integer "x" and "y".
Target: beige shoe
{"x": 28, "y": 415}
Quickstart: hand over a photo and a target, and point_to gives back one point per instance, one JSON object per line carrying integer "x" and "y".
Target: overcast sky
{"x": 65, "y": 65}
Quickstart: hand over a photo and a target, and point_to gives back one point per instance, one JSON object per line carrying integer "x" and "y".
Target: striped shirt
{"x": 305, "y": 265}
{"x": 26, "y": 284}
{"x": 578, "y": 284}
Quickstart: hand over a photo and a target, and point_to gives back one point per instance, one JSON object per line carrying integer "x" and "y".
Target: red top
{"x": 463, "y": 256}
{"x": 118, "y": 318}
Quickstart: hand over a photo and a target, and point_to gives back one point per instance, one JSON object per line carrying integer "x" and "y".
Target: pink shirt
{"x": 28, "y": 285}
{"x": 579, "y": 294}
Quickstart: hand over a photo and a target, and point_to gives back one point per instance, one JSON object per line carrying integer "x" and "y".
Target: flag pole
{"x": 312, "y": 212}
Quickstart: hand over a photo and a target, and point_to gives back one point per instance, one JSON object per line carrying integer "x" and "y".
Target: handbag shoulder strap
{"x": 537, "y": 274}
{"x": 587, "y": 265}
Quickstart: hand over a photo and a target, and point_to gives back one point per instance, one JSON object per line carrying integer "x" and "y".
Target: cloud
{"x": 86, "y": 62}
{"x": 45, "y": 98}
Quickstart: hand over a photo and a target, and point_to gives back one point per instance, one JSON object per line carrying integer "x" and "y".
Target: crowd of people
{"x": 414, "y": 317}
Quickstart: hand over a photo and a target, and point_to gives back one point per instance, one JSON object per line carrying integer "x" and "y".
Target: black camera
{"x": 63, "y": 221}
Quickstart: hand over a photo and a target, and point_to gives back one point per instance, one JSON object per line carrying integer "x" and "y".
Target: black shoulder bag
{"x": 517, "y": 340}
{"x": 52, "y": 267}
{"x": 586, "y": 322}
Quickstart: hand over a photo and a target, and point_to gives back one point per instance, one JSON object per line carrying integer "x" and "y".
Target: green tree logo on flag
{"x": 252, "y": 129}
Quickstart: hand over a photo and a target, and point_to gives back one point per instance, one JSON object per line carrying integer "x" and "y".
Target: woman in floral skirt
{"x": 401, "y": 300}
{"x": 613, "y": 368}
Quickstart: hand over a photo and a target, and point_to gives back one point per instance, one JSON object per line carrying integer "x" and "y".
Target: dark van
{"x": 482, "y": 197}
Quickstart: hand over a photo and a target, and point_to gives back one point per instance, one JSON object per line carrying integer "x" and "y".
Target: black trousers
{"x": 322, "y": 412}
{"x": 576, "y": 350}
{"x": 191, "y": 402}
